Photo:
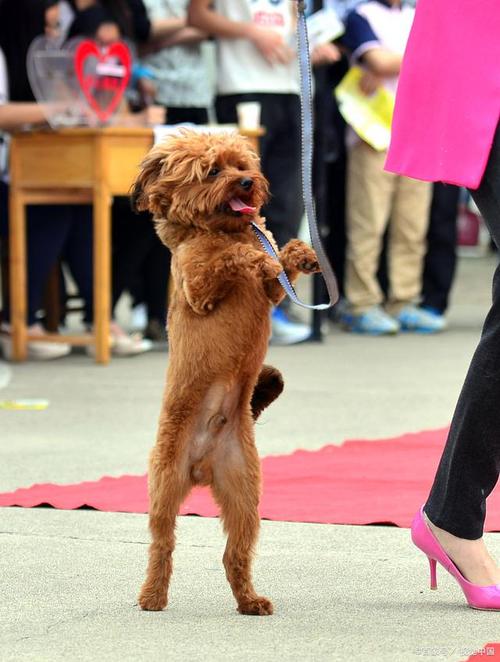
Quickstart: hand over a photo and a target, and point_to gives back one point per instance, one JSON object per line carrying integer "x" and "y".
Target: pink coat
{"x": 448, "y": 101}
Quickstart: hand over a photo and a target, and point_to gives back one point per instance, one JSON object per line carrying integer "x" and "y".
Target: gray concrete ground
{"x": 68, "y": 580}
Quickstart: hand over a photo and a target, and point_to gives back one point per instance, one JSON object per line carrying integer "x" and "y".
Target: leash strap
{"x": 307, "y": 164}
{"x": 282, "y": 277}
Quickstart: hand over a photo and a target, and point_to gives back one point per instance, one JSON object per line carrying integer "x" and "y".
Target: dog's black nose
{"x": 246, "y": 183}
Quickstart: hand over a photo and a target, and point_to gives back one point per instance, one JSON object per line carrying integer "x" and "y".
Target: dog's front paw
{"x": 298, "y": 255}
{"x": 151, "y": 599}
{"x": 258, "y": 606}
{"x": 307, "y": 260}
{"x": 309, "y": 265}
{"x": 270, "y": 269}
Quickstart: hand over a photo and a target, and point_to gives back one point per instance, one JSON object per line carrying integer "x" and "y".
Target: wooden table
{"x": 72, "y": 166}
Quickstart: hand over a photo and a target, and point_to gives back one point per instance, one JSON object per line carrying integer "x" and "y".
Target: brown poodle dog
{"x": 204, "y": 190}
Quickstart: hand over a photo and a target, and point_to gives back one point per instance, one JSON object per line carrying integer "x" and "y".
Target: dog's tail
{"x": 269, "y": 386}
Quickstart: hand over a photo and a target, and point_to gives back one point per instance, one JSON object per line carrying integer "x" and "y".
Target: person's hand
{"x": 325, "y": 54}
{"x": 370, "y": 83}
{"x": 271, "y": 45}
{"x": 187, "y": 35}
{"x": 63, "y": 113}
{"x": 152, "y": 115}
{"x": 147, "y": 90}
{"x": 82, "y": 5}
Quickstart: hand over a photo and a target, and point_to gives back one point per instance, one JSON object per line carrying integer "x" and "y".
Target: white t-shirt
{"x": 4, "y": 97}
{"x": 241, "y": 67}
{"x": 391, "y": 28}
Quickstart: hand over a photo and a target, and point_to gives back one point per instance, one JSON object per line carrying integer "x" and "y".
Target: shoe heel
{"x": 478, "y": 597}
{"x": 433, "y": 568}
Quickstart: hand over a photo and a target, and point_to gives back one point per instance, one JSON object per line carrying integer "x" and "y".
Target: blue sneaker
{"x": 420, "y": 320}
{"x": 437, "y": 313}
{"x": 374, "y": 322}
{"x": 286, "y": 332}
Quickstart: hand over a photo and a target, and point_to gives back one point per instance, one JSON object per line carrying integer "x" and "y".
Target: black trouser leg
{"x": 78, "y": 255}
{"x": 47, "y": 227}
{"x": 281, "y": 158}
{"x": 193, "y": 115}
{"x": 133, "y": 236}
{"x": 440, "y": 260}
{"x": 470, "y": 464}
{"x": 140, "y": 261}
{"x": 156, "y": 272}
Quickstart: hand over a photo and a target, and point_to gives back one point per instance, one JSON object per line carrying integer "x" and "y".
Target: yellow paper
{"x": 370, "y": 116}
{"x": 30, "y": 405}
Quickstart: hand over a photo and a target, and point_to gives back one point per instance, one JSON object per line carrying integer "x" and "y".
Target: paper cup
{"x": 248, "y": 115}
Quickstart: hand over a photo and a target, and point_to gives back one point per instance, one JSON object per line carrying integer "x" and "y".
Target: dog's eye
{"x": 214, "y": 172}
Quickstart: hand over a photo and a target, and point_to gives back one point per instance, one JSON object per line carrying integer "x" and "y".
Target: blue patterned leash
{"x": 307, "y": 163}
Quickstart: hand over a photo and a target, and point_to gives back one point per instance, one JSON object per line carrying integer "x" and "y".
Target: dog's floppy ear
{"x": 140, "y": 198}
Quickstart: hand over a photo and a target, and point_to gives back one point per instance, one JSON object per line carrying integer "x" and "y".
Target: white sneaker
{"x": 139, "y": 317}
{"x": 38, "y": 350}
{"x": 123, "y": 344}
{"x": 286, "y": 332}
{"x": 420, "y": 320}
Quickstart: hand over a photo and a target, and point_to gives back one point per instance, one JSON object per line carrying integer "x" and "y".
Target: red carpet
{"x": 492, "y": 651}
{"x": 360, "y": 482}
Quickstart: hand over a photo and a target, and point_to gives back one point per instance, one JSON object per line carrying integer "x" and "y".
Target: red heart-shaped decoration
{"x": 103, "y": 74}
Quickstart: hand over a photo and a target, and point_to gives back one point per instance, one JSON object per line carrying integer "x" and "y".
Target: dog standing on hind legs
{"x": 203, "y": 191}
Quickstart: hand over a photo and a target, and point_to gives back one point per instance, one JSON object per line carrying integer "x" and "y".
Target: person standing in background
{"x": 183, "y": 84}
{"x": 54, "y": 232}
{"x": 376, "y": 35}
{"x": 178, "y": 64}
{"x": 138, "y": 255}
{"x": 50, "y": 229}
{"x": 441, "y": 256}
{"x": 330, "y": 156}
{"x": 257, "y": 61}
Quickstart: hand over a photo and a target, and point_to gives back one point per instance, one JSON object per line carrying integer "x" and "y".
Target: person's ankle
{"x": 471, "y": 557}
{"x": 446, "y": 536}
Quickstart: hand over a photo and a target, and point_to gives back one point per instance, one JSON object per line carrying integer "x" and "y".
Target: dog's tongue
{"x": 238, "y": 205}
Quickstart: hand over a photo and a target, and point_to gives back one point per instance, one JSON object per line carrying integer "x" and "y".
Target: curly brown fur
{"x": 269, "y": 386}
{"x": 218, "y": 326}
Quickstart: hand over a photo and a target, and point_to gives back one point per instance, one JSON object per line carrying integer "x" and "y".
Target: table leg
{"x": 17, "y": 271}
{"x": 102, "y": 274}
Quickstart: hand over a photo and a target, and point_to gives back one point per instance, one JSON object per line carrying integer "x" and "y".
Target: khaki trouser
{"x": 376, "y": 199}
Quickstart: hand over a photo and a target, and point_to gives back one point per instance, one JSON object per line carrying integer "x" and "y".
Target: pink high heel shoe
{"x": 478, "y": 597}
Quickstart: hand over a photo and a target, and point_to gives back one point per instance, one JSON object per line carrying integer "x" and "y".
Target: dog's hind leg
{"x": 269, "y": 386}
{"x": 168, "y": 486}
{"x": 237, "y": 490}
